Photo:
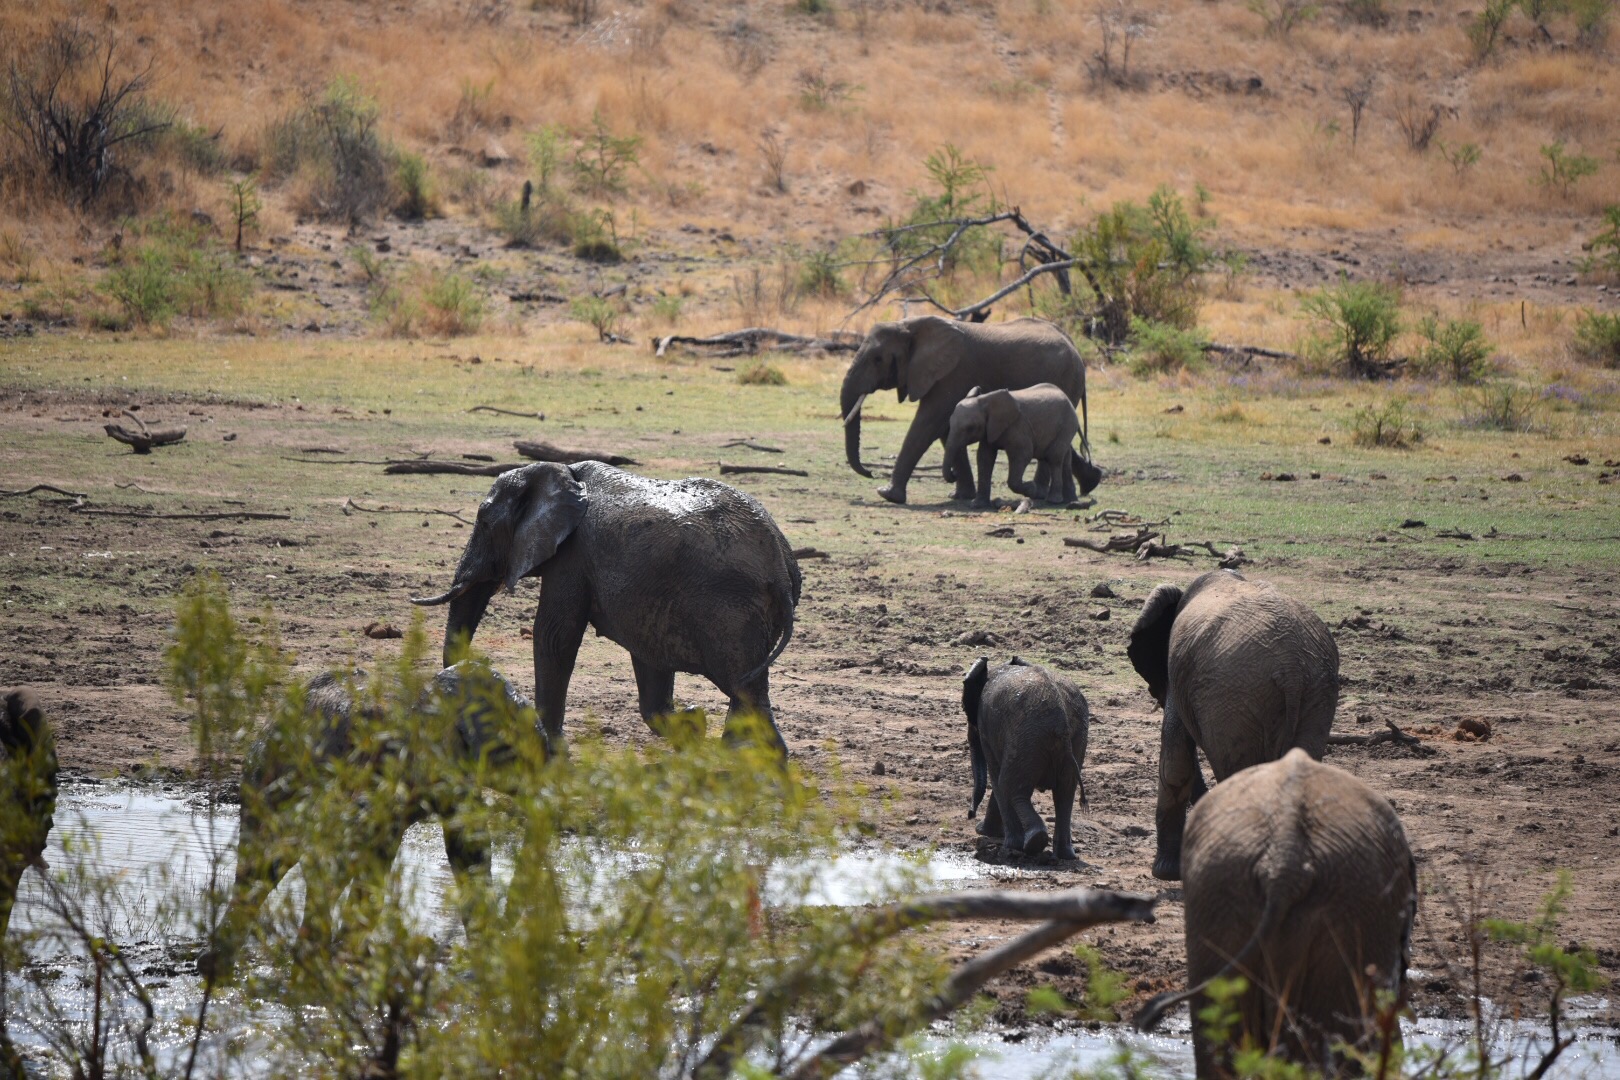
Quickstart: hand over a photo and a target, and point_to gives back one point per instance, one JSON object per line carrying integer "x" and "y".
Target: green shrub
{"x": 759, "y": 373}
{"x": 547, "y": 218}
{"x": 1455, "y": 348}
{"x": 1390, "y": 425}
{"x": 1563, "y": 171}
{"x": 1281, "y": 17}
{"x": 598, "y": 312}
{"x": 1597, "y": 338}
{"x": 595, "y": 236}
{"x": 668, "y": 309}
{"x": 333, "y": 141}
{"x": 171, "y": 266}
{"x": 1367, "y": 12}
{"x": 1143, "y": 263}
{"x": 602, "y": 159}
{"x": 1591, "y": 21}
{"x": 451, "y": 305}
{"x": 1358, "y": 322}
{"x": 1462, "y": 158}
{"x": 546, "y": 154}
{"x": 961, "y": 189}
{"x": 416, "y": 198}
{"x": 1485, "y": 29}
{"x": 1501, "y": 405}
{"x": 820, "y": 274}
{"x": 1158, "y": 348}
{"x": 1605, "y": 246}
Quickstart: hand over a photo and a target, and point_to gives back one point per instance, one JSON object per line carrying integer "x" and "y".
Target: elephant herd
{"x": 1296, "y": 875}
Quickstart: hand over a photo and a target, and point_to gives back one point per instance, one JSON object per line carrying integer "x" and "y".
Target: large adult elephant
{"x": 1300, "y": 879}
{"x": 688, "y": 575}
{"x": 1244, "y": 673}
{"x": 935, "y": 362}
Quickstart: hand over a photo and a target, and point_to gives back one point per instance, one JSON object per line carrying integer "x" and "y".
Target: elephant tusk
{"x": 444, "y": 597}
{"x": 855, "y": 410}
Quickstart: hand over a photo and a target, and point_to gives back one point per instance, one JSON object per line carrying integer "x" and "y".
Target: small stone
{"x": 1101, "y": 591}
{"x": 1101, "y": 614}
{"x": 1513, "y": 478}
{"x": 1325, "y": 440}
{"x": 1414, "y": 523}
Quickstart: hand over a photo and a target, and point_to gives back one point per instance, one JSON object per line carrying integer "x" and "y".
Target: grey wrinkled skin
{"x": 27, "y": 794}
{"x": 282, "y": 759}
{"x": 1038, "y": 424}
{"x": 689, "y": 575}
{"x": 1299, "y": 878}
{"x": 935, "y": 362}
{"x": 1244, "y": 673}
{"x": 1027, "y": 732}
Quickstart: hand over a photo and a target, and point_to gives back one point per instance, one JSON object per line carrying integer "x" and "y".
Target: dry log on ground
{"x": 44, "y": 487}
{"x": 1249, "y": 351}
{"x": 749, "y": 444}
{"x": 1117, "y": 542}
{"x": 1392, "y": 734}
{"x": 417, "y": 466}
{"x": 221, "y": 515}
{"x": 810, "y": 553}
{"x": 540, "y": 450}
{"x": 1065, "y": 914}
{"x": 771, "y": 470}
{"x": 507, "y": 412}
{"x": 757, "y": 339}
{"x": 350, "y": 506}
{"x": 143, "y": 440}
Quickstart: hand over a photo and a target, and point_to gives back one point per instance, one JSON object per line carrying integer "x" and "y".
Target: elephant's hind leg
{"x": 1024, "y": 829}
{"x": 753, "y": 700}
{"x": 1063, "y": 806}
{"x": 1180, "y": 783}
{"x": 655, "y": 687}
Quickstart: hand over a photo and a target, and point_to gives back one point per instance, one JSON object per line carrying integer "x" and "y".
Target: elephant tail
{"x": 789, "y": 603}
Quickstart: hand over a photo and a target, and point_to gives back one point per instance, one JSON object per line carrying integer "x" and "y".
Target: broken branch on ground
{"x": 507, "y": 412}
{"x": 44, "y": 487}
{"x": 756, "y": 339}
{"x": 539, "y": 450}
{"x": 1393, "y": 734}
{"x": 771, "y": 470}
{"x": 349, "y": 506}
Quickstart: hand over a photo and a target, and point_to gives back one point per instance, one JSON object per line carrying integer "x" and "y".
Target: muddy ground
{"x": 1516, "y": 627}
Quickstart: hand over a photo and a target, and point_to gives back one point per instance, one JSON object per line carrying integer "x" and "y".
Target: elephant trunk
{"x": 850, "y": 402}
{"x": 466, "y": 612}
{"x": 981, "y": 771}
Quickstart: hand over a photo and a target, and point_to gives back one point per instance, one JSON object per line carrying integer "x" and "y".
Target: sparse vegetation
{"x": 170, "y": 266}
{"x": 1461, "y": 157}
{"x": 1390, "y": 425}
{"x": 1418, "y": 120}
{"x": 1605, "y": 245}
{"x": 603, "y": 158}
{"x": 1563, "y": 171}
{"x": 1591, "y": 22}
{"x": 773, "y": 151}
{"x": 1454, "y": 348}
{"x": 599, "y": 313}
{"x": 961, "y": 190}
{"x": 245, "y": 207}
{"x": 1143, "y": 263}
{"x": 1597, "y": 338}
{"x": 1357, "y": 323}
{"x": 1282, "y": 17}
{"x": 1485, "y": 29}
{"x": 451, "y": 304}
{"x": 416, "y": 197}
{"x": 761, "y": 373}
{"x": 1501, "y": 405}
{"x": 332, "y": 147}
{"x": 821, "y": 274}
{"x": 1158, "y": 348}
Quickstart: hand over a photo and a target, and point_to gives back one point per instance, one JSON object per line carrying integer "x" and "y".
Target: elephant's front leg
{"x": 1017, "y": 462}
{"x": 559, "y": 627}
{"x": 925, "y": 428}
{"x": 992, "y": 828}
{"x": 655, "y": 687}
{"x": 1180, "y": 782}
{"x": 959, "y": 469}
{"x": 987, "y": 466}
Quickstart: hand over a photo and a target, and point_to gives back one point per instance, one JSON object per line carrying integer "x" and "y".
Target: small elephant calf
{"x": 27, "y": 794}
{"x": 459, "y": 710}
{"x": 1026, "y": 731}
{"x": 1038, "y": 424}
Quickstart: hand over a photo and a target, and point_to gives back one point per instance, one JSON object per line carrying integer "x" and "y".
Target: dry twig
{"x": 507, "y": 412}
{"x": 349, "y": 505}
{"x": 540, "y": 450}
{"x": 756, "y": 339}
{"x": 44, "y": 487}
{"x": 1393, "y": 734}
{"x": 772, "y": 470}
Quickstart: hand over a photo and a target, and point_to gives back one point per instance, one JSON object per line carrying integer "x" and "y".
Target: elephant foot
{"x": 1036, "y": 842}
{"x": 1167, "y": 867}
{"x": 983, "y": 504}
{"x": 894, "y": 496}
{"x": 989, "y": 834}
{"x": 1065, "y": 852}
{"x": 963, "y": 494}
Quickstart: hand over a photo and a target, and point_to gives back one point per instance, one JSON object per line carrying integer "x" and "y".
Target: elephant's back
{"x": 1041, "y": 717}
{"x": 1045, "y": 355}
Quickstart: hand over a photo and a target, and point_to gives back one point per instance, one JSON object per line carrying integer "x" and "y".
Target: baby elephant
{"x": 461, "y": 709}
{"x": 27, "y": 794}
{"x": 1299, "y": 878}
{"x": 1026, "y": 731}
{"x": 1037, "y": 424}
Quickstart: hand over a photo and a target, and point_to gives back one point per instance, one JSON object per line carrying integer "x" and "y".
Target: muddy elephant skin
{"x": 689, "y": 575}
{"x": 27, "y": 793}
{"x": 1027, "y": 732}
{"x": 935, "y": 362}
{"x": 1244, "y": 673}
{"x": 1037, "y": 424}
{"x": 1298, "y": 877}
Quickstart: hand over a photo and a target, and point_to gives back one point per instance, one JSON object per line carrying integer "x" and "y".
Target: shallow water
{"x": 157, "y": 844}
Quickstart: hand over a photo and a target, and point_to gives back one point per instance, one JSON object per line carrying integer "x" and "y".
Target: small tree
{"x": 1455, "y": 348}
{"x": 1563, "y": 171}
{"x": 1356, "y": 95}
{"x": 245, "y": 206}
{"x": 1358, "y": 321}
{"x": 603, "y": 158}
{"x": 1605, "y": 246}
{"x": 1462, "y": 158}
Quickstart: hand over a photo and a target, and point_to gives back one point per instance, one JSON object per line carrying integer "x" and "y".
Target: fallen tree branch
{"x": 755, "y": 339}
{"x": 1117, "y": 542}
{"x": 1074, "y": 910}
{"x": 771, "y": 470}
{"x": 540, "y": 450}
{"x": 223, "y": 515}
{"x": 1249, "y": 350}
{"x": 1108, "y": 519}
{"x": 416, "y": 466}
{"x": 323, "y": 461}
{"x": 143, "y": 440}
{"x": 320, "y": 450}
{"x": 44, "y": 487}
{"x": 349, "y": 505}
{"x": 748, "y": 444}
{"x": 507, "y": 412}
{"x": 1393, "y": 734}
{"x": 810, "y": 553}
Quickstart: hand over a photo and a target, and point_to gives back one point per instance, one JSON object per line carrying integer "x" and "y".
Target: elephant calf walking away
{"x": 27, "y": 794}
{"x": 1298, "y": 878}
{"x": 1243, "y": 672}
{"x": 1027, "y": 731}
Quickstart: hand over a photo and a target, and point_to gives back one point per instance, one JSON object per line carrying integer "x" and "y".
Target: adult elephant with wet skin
{"x": 688, "y": 575}
{"x": 1244, "y": 672}
{"x": 935, "y": 362}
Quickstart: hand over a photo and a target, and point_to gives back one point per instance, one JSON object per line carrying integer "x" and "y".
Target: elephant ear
{"x": 1149, "y": 648}
{"x": 23, "y": 726}
{"x": 972, "y": 690}
{"x": 1000, "y": 414}
{"x": 937, "y": 346}
{"x": 553, "y": 506}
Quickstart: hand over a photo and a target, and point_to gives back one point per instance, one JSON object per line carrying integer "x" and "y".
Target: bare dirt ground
{"x": 1431, "y": 634}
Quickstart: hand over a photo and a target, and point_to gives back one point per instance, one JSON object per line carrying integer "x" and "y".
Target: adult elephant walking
{"x": 688, "y": 575}
{"x": 1300, "y": 879}
{"x": 1244, "y": 674}
{"x": 935, "y": 362}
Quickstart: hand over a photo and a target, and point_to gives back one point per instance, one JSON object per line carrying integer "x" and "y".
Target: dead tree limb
{"x": 320, "y": 450}
{"x": 1108, "y": 519}
{"x": 756, "y": 339}
{"x": 544, "y": 451}
{"x": 44, "y": 487}
{"x": 143, "y": 440}
{"x": 1249, "y": 350}
{"x": 1117, "y": 542}
{"x": 1074, "y": 910}
{"x": 507, "y": 412}
{"x": 223, "y": 515}
{"x": 751, "y": 446}
{"x": 769, "y": 470}
{"x": 324, "y": 461}
{"x": 810, "y": 553}
{"x": 349, "y": 506}
{"x": 1393, "y": 734}
{"x": 418, "y": 467}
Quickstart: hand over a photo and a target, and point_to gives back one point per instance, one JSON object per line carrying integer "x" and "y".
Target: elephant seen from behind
{"x": 1037, "y": 424}
{"x": 27, "y": 793}
{"x": 1243, "y": 672}
{"x": 935, "y": 362}
{"x": 1027, "y": 731}
{"x": 1299, "y": 878}
{"x": 688, "y": 575}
